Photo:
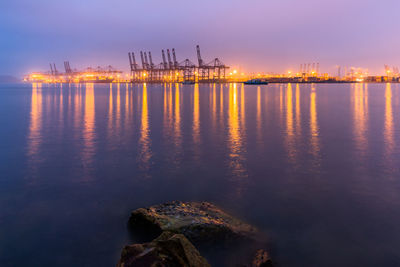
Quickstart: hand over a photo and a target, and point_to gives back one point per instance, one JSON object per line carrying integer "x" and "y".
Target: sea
{"x": 315, "y": 167}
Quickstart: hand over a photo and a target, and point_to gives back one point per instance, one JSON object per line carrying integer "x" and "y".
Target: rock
{"x": 169, "y": 249}
{"x": 262, "y": 259}
{"x": 199, "y": 222}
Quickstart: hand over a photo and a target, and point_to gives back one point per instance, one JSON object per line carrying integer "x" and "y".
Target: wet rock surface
{"x": 262, "y": 259}
{"x": 179, "y": 224}
{"x": 200, "y": 222}
{"x": 169, "y": 249}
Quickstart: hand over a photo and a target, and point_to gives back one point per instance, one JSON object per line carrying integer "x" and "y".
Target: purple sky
{"x": 258, "y": 35}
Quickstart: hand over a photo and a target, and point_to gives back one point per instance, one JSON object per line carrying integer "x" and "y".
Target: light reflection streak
{"x": 196, "y": 116}
{"x": 118, "y": 109}
{"x": 360, "y": 116}
{"x": 314, "y": 128}
{"x": 388, "y": 131}
{"x": 61, "y": 102}
{"x": 258, "y": 119}
{"x": 48, "y": 101}
{"x": 177, "y": 124}
{"x": 145, "y": 153}
{"x": 35, "y": 136}
{"x": 170, "y": 103}
{"x": 298, "y": 112}
{"x": 89, "y": 128}
{"x": 77, "y": 108}
{"x": 168, "y": 113}
{"x": 221, "y": 104}
{"x": 110, "y": 111}
{"x": 242, "y": 107}
{"x": 214, "y": 106}
{"x": 289, "y": 111}
{"x": 290, "y": 142}
{"x": 165, "y": 109}
{"x": 127, "y": 106}
{"x": 236, "y": 147}
{"x": 281, "y": 102}
{"x": 69, "y": 99}
{"x": 61, "y": 111}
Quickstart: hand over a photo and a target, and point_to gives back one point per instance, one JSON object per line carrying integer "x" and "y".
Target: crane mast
{"x": 134, "y": 61}
{"x": 55, "y": 69}
{"x": 169, "y": 59}
{"x": 174, "y": 58}
{"x": 164, "y": 61}
{"x": 143, "y": 63}
{"x": 130, "y": 61}
{"x": 199, "y": 56}
{"x": 145, "y": 60}
{"x": 151, "y": 61}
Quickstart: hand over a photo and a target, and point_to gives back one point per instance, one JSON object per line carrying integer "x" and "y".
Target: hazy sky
{"x": 257, "y": 35}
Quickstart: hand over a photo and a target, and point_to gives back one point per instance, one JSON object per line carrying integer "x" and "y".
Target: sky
{"x": 252, "y": 35}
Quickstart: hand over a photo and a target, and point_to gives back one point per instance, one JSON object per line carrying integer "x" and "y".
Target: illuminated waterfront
{"x": 316, "y": 166}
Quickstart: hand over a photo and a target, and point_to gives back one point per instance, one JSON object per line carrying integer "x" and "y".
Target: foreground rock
{"x": 168, "y": 249}
{"x": 199, "y": 222}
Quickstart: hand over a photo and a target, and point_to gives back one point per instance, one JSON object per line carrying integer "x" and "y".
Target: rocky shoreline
{"x": 180, "y": 227}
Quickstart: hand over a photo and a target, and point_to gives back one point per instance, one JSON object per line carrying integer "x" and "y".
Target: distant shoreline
{"x": 272, "y": 82}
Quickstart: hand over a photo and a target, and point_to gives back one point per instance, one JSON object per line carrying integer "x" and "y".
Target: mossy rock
{"x": 200, "y": 222}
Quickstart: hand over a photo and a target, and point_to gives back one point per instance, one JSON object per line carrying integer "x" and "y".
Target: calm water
{"x": 317, "y": 167}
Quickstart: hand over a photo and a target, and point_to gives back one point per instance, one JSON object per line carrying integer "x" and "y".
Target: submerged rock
{"x": 169, "y": 249}
{"x": 199, "y": 222}
{"x": 262, "y": 259}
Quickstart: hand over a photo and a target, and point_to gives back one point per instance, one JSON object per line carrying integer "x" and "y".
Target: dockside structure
{"x": 170, "y": 70}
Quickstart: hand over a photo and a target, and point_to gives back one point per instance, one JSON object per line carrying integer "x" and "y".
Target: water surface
{"x": 314, "y": 166}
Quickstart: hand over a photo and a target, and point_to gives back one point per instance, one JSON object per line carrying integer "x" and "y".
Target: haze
{"x": 255, "y": 35}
